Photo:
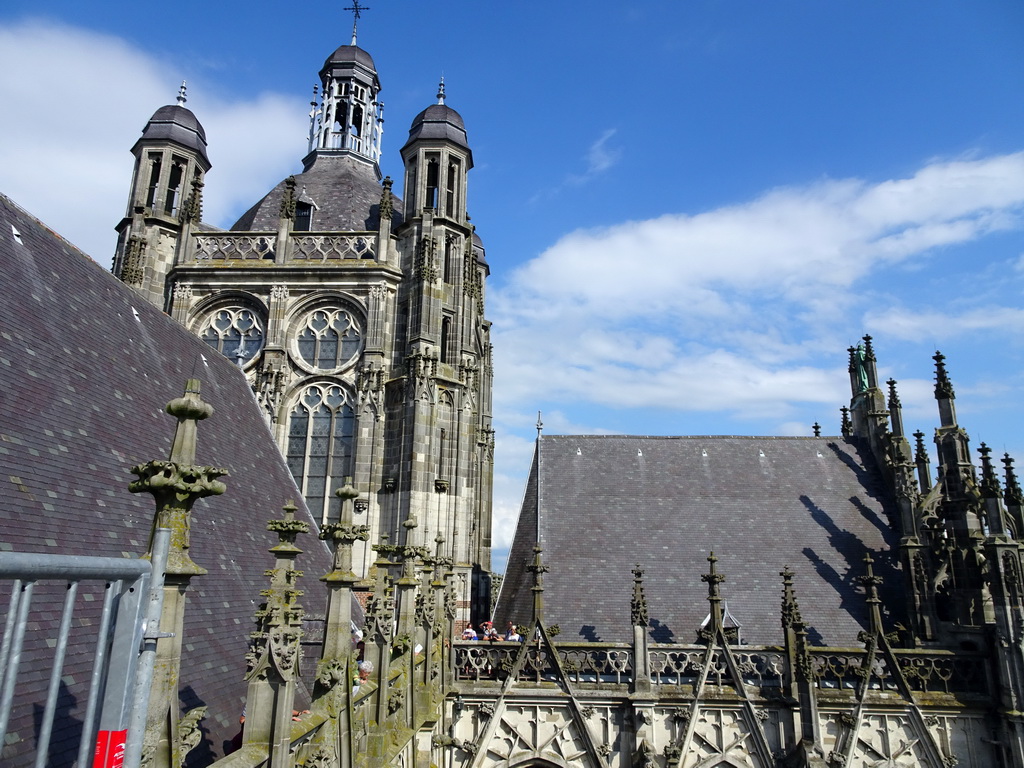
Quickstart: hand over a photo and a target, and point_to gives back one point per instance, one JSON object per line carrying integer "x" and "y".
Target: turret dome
{"x": 177, "y": 124}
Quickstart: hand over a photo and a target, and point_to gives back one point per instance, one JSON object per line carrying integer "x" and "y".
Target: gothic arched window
{"x": 235, "y": 332}
{"x": 321, "y": 431}
{"x": 329, "y": 338}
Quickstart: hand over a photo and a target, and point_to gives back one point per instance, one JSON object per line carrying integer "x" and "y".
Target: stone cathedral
{"x": 826, "y": 601}
{"x": 357, "y": 317}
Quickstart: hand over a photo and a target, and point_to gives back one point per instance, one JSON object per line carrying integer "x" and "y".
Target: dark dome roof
{"x": 176, "y": 123}
{"x": 478, "y": 250}
{"x": 439, "y": 121}
{"x": 344, "y": 189}
{"x": 348, "y": 54}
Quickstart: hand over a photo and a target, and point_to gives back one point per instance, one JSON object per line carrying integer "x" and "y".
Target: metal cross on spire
{"x": 357, "y": 11}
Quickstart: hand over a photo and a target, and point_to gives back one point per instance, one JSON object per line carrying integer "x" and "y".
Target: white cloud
{"x": 908, "y": 325}
{"x": 728, "y": 310}
{"x": 75, "y": 102}
{"x": 600, "y": 157}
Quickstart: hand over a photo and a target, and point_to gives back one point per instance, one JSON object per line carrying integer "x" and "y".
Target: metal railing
{"x": 112, "y": 639}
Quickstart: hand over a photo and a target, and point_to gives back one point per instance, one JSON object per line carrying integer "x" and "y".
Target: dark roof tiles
{"x": 601, "y": 505}
{"x": 86, "y": 368}
{"x": 344, "y": 189}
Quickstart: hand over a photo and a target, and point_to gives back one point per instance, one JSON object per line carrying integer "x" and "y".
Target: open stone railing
{"x": 926, "y": 672}
{"x": 231, "y": 246}
{"x": 234, "y": 245}
{"x": 358, "y": 245}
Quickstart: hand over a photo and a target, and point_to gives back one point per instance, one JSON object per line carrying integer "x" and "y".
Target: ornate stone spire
{"x": 440, "y": 91}
{"x": 181, "y": 95}
{"x": 846, "y": 426}
{"x": 817, "y": 429}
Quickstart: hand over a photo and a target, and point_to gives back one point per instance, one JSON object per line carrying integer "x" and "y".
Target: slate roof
{"x": 86, "y": 368}
{"x": 346, "y": 192}
{"x": 599, "y": 505}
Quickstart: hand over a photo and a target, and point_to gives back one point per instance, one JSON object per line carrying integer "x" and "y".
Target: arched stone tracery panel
{"x": 321, "y": 438}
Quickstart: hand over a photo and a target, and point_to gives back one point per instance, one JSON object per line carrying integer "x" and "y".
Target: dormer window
{"x": 303, "y": 217}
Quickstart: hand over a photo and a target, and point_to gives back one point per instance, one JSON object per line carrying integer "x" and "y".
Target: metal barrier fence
{"x": 117, "y": 634}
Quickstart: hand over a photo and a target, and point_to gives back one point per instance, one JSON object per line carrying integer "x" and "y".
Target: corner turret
{"x": 166, "y": 196}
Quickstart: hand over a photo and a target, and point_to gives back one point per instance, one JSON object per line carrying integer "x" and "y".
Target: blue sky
{"x": 691, "y": 209}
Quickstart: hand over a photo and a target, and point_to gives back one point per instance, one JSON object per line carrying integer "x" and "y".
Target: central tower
{"x": 358, "y": 319}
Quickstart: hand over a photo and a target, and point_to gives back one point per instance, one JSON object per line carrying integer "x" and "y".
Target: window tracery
{"x": 235, "y": 332}
{"x": 329, "y": 338}
{"x": 321, "y": 433}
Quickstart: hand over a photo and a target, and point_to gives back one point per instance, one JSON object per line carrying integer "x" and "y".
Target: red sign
{"x": 110, "y": 749}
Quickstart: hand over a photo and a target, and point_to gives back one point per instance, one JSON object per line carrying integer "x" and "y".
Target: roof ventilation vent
{"x": 639, "y": 452}
{"x": 820, "y": 455}
{"x": 136, "y": 313}
{"x": 579, "y": 452}
{"x": 703, "y": 451}
{"x": 17, "y": 235}
{"x": 760, "y": 452}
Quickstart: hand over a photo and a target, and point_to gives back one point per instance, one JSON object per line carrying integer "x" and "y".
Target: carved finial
{"x": 817, "y": 429}
{"x": 943, "y": 387}
{"x": 357, "y": 11}
{"x": 894, "y": 398}
{"x": 638, "y": 605}
{"x": 181, "y": 95}
{"x": 790, "y": 610}
{"x": 192, "y": 210}
{"x": 870, "y": 583}
{"x": 288, "y": 199}
{"x": 540, "y": 425}
{"x": 1013, "y": 493}
{"x": 846, "y": 426}
{"x": 989, "y": 482}
{"x": 188, "y": 410}
{"x": 538, "y": 569}
{"x": 387, "y": 200}
{"x": 920, "y": 454}
{"x": 869, "y": 351}
{"x": 713, "y": 578}
{"x": 176, "y": 484}
{"x": 440, "y": 91}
